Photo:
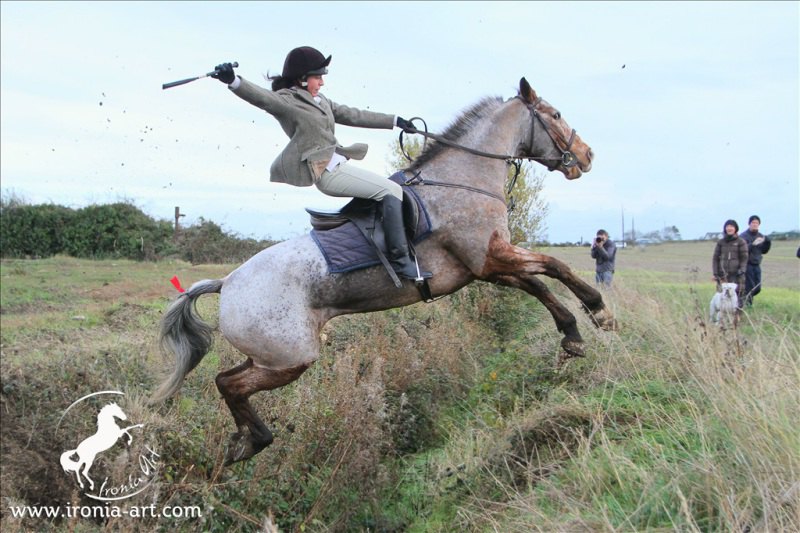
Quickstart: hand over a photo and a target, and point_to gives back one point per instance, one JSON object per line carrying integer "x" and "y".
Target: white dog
{"x": 724, "y": 304}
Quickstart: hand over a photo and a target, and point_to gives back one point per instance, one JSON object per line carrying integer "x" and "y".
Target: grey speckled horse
{"x": 273, "y": 307}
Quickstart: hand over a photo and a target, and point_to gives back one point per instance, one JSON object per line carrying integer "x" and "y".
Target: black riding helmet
{"x": 304, "y": 61}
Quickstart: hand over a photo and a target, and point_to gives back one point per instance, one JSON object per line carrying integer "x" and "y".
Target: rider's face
{"x": 315, "y": 83}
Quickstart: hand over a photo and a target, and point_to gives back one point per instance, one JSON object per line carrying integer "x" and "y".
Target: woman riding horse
{"x": 313, "y": 156}
{"x": 273, "y": 307}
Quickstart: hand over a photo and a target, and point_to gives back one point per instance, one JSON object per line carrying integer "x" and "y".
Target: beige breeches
{"x": 350, "y": 181}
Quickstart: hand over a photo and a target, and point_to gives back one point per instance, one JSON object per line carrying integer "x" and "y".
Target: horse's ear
{"x": 526, "y": 91}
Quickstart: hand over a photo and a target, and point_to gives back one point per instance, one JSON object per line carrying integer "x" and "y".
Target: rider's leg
{"x": 396, "y": 241}
{"x": 349, "y": 181}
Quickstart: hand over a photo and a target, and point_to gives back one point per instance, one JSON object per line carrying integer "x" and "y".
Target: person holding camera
{"x": 604, "y": 252}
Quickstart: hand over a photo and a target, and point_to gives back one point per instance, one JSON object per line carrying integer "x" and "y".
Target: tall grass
{"x": 678, "y": 425}
{"x": 446, "y": 417}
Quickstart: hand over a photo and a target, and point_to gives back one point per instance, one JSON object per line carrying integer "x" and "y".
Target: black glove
{"x": 405, "y": 125}
{"x": 224, "y": 73}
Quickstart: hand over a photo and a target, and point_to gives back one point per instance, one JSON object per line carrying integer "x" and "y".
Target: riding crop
{"x": 187, "y": 80}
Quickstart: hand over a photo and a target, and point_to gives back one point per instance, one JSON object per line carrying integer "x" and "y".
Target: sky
{"x": 691, "y": 108}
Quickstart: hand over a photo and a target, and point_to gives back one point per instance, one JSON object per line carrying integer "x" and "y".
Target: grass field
{"x": 451, "y": 416}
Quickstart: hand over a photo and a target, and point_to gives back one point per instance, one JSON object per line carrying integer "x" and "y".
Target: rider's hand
{"x": 406, "y": 125}
{"x": 224, "y": 73}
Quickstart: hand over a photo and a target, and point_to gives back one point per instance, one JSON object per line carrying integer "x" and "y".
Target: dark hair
{"x": 752, "y": 218}
{"x": 279, "y": 82}
{"x": 602, "y": 232}
{"x": 731, "y": 222}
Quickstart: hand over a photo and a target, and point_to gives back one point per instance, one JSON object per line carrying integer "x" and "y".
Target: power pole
{"x": 178, "y": 216}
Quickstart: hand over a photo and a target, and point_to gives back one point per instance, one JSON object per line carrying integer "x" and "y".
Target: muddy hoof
{"x": 243, "y": 446}
{"x": 572, "y": 348}
{"x": 604, "y": 320}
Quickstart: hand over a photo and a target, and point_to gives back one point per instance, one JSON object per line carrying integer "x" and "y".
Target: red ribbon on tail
{"x": 177, "y": 284}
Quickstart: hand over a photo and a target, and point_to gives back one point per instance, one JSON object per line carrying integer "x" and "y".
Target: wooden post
{"x": 178, "y": 215}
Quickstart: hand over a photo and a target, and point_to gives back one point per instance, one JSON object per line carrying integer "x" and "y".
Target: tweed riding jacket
{"x": 310, "y": 127}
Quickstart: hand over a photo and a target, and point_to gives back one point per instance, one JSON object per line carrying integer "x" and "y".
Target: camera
{"x": 598, "y": 239}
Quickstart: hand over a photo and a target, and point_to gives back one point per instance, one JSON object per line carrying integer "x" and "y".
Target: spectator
{"x": 729, "y": 262}
{"x": 757, "y": 245}
{"x": 604, "y": 252}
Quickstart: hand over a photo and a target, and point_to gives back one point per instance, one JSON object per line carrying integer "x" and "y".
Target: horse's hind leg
{"x": 236, "y": 386}
{"x": 572, "y": 343}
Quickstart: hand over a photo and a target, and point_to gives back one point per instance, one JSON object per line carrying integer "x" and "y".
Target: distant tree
{"x": 652, "y": 235}
{"x": 670, "y": 233}
{"x": 526, "y": 221}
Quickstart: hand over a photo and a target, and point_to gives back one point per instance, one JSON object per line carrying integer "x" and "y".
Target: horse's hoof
{"x": 604, "y": 320}
{"x": 572, "y": 348}
{"x": 243, "y": 446}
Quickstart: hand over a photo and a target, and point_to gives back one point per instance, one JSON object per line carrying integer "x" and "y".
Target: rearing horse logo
{"x": 107, "y": 434}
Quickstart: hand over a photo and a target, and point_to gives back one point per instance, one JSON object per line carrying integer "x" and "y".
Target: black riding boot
{"x": 396, "y": 242}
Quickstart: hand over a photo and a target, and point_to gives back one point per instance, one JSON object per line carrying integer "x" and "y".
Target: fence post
{"x": 178, "y": 216}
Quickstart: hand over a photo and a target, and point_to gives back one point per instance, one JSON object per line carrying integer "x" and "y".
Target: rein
{"x": 568, "y": 158}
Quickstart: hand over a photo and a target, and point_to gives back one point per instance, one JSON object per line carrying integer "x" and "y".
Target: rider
{"x": 313, "y": 155}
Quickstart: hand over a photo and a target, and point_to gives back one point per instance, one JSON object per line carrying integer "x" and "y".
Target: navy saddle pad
{"x": 344, "y": 245}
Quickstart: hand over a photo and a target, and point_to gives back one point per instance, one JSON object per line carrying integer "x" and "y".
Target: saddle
{"x": 352, "y": 238}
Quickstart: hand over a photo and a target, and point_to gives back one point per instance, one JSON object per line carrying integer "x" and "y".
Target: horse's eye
{"x": 557, "y": 116}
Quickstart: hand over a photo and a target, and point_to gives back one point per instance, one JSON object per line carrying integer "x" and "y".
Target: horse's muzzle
{"x": 576, "y": 170}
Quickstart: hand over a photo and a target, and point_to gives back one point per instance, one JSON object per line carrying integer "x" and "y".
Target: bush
{"x": 119, "y": 230}
{"x": 206, "y": 242}
{"x": 33, "y": 230}
{"x": 116, "y": 230}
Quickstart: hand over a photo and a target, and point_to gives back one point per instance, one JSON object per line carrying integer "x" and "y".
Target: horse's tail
{"x": 68, "y": 464}
{"x": 184, "y": 334}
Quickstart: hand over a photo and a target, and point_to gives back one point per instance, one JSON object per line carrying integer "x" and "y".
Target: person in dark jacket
{"x": 313, "y": 155}
{"x": 729, "y": 262}
{"x": 604, "y": 252}
{"x": 757, "y": 245}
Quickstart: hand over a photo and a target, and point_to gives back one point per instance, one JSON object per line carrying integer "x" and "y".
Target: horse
{"x": 273, "y": 307}
{"x": 107, "y": 434}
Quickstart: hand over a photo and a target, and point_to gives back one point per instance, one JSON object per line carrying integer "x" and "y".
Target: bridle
{"x": 568, "y": 158}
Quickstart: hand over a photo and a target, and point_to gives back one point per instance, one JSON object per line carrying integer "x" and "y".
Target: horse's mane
{"x": 458, "y": 129}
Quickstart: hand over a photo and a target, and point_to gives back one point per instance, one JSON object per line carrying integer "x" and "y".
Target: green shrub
{"x": 116, "y": 230}
{"x": 207, "y": 242}
{"x": 33, "y": 230}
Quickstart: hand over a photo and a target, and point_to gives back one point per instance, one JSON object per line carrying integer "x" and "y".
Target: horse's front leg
{"x": 572, "y": 343}
{"x": 236, "y": 386}
{"x": 505, "y": 260}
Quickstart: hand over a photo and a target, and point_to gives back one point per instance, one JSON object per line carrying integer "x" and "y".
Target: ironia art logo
{"x": 128, "y": 477}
